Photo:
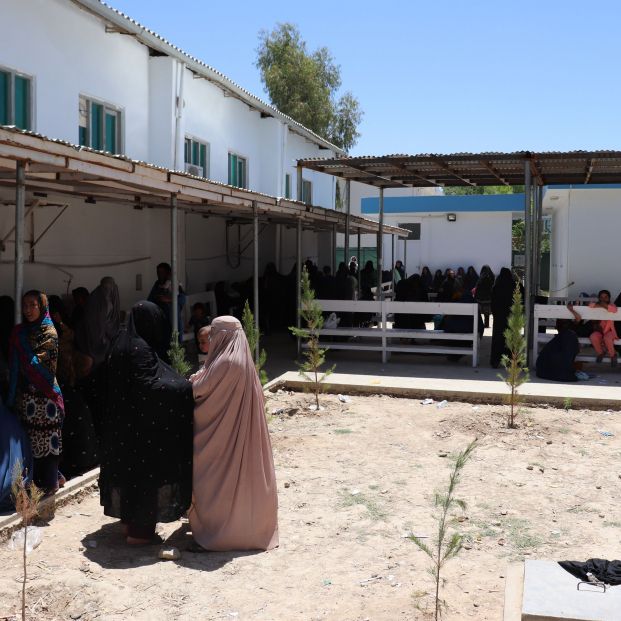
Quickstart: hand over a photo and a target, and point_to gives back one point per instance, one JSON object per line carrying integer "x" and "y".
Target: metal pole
{"x": 256, "y": 277}
{"x": 20, "y": 207}
{"x": 392, "y": 252}
{"x": 539, "y": 238}
{"x": 298, "y": 292}
{"x": 405, "y": 256}
{"x": 173, "y": 263}
{"x": 359, "y": 266}
{"x": 347, "y": 220}
{"x": 527, "y": 256}
{"x": 380, "y": 244}
{"x": 333, "y": 249}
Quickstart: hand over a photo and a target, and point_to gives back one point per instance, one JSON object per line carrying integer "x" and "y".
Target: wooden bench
{"x": 544, "y": 313}
{"x": 386, "y": 339}
{"x": 205, "y": 297}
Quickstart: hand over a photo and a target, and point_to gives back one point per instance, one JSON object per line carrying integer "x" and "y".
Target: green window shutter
{"x": 111, "y": 132}
{"x": 203, "y": 158}
{"x": 232, "y": 169}
{"x": 96, "y": 126}
{"x": 83, "y": 136}
{"x": 22, "y": 102}
{"x": 5, "y": 85}
{"x": 195, "y": 152}
{"x": 287, "y": 186}
{"x": 188, "y": 151}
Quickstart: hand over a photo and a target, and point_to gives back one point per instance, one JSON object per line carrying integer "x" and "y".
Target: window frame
{"x": 107, "y": 109}
{"x": 30, "y": 110}
{"x": 231, "y": 181}
{"x": 307, "y": 200}
{"x": 288, "y": 186}
{"x": 201, "y": 143}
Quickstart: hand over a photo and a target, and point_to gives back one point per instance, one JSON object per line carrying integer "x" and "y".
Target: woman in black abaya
{"x": 502, "y": 299}
{"x": 146, "y": 449}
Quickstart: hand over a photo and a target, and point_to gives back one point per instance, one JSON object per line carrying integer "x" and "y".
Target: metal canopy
{"x": 60, "y": 168}
{"x": 474, "y": 169}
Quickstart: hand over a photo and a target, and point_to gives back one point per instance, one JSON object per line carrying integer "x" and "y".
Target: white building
{"x": 79, "y": 71}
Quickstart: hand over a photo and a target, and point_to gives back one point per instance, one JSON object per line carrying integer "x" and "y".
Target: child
{"x": 604, "y": 332}
{"x": 203, "y": 342}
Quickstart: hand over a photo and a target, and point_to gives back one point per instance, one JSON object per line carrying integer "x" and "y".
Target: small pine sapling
{"x": 314, "y": 356}
{"x": 254, "y": 336}
{"x": 27, "y": 499}
{"x": 176, "y": 354}
{"x": 447, "y": 544}
{"x": 515, "y": 361}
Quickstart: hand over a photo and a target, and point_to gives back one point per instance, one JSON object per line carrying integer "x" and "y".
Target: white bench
{"x": 386, "y": 339}
{"x": 205, "y": 297}
{"x": 545, "y": 312}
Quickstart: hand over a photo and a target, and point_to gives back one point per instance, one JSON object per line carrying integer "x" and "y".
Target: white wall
{"x": 473, "y": 239}
{"x": 585, "y": 240}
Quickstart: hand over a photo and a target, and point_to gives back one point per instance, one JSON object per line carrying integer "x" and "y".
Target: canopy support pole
{"x": 255, "y": 277}
{"x": 174, "y": 315}
{"x": 359, "y": 266}
{"x": 380, "y": 244}
{"x": 347, "y": 221}
{"x": 20, "y": 208}
{"x": 298, "y": 275}
{"x": 405, "y": 257}
{"x": 333, "y": 257}
{"x": 528, "y": 257}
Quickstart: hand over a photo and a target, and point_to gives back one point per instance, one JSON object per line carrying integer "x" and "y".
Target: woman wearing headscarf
{"x": 471, "y": 278}
{"x": 80, "y": 449}
{"x": 483, "y": 292}
{"x": 34, "y": 391}
{"x": 438, "y": 279}
{"x": 426, "y": 278}
{"x": 502, "y": 299}
{"x": 7, "y": 321}
{"x": 14, "y": 449}
{"x": 100, "y": 323}
{"x": 146, "y": 448}
{"x": 93, "y": 341}
{"x": 235, "y": 506}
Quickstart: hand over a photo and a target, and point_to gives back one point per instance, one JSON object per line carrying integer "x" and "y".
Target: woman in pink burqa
{"x": 234, "y": 504}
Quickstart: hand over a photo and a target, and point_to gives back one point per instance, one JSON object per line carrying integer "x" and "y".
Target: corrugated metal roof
{"x": 154, "y": 40}
{"x": 474, "y": 169}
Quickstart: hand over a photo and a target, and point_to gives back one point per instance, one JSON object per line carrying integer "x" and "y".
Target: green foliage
{"x": 254, "y": 336}
{"x": 176, "y": 354}
{"x": 518, "y": 237}
{"x": 468, "y": 190}
{"x": 515, "y": 362}
{"x": 27, "y": 500}
{"x": 567, "y": 404}
{"x": 447, "y": 544}
{"x": 314, "y": 357}
{"x": 304, "y": 84}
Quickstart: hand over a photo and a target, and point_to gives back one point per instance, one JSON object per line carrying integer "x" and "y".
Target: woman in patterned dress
{"x": 34, "y": 391}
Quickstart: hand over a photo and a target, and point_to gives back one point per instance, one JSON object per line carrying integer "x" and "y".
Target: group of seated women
{"x": 167, "y": 446}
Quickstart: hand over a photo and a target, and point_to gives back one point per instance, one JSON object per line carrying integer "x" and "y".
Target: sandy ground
{"x": 353, "y": 481}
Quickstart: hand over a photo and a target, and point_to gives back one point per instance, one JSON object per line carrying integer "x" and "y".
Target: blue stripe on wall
{"x": 445, "y": 204}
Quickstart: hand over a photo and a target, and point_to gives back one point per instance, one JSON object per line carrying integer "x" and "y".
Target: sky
{"x": 433, "y": 77}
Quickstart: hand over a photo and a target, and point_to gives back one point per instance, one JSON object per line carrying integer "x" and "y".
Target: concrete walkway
{"x": 462, "y": 389}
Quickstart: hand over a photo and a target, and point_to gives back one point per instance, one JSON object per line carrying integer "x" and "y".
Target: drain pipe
{"x": 178, "y": 112}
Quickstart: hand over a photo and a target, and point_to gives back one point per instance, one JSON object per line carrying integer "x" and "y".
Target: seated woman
{"x": 34, "y": 390}
{"x": 234, "y": 506}
{"x": 557, "y": 358}
{"x": 80, "y": 447}
{"x": 410, "y": 290}
{"x": 14, "y": 449}
{"x": 146, "y": 448}
{"x": 604, "y": 333}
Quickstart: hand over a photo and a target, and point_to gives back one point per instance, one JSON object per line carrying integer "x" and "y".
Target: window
{"x": 15, "y": 99}
{"x": 100, "y": 126}
{"x": 238, "y": 175}
{"x": 307, "y": 192}
{"x": 196, "y": 157}
{"x": 413, "y": 227}
{"x": 287, "y": 186}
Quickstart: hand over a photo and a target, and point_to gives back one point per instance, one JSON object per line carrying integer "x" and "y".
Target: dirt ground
{"x": 353, "y": 481}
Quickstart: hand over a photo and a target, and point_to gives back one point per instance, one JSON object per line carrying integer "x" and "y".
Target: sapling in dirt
{"x": 447, "y": 543}
{"x": 254, "y": 336}
{"x": 514, "y": 362}
{"x": 314, "y": 356}
{"x": 27, "y": 498}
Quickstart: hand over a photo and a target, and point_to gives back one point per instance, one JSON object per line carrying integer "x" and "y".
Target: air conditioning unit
{"x": 195, "y": 170}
